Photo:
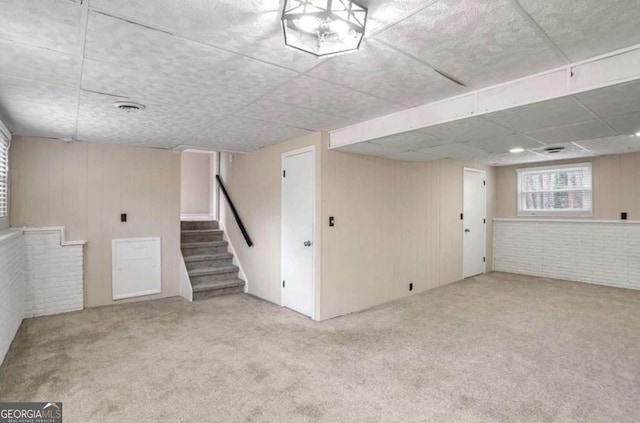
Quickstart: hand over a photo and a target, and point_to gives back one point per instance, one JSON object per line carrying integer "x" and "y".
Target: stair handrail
{"x": 245, "y": 234}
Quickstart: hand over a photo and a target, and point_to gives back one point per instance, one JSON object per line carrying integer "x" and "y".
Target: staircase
{"x": 209, "y": 265}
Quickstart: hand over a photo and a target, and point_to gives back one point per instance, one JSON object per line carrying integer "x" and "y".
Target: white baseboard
{"x": 194, "y": 216}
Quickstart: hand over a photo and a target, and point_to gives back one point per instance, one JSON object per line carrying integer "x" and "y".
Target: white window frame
{"x": 5, "y": 145}
{"x": 558, "y": 212}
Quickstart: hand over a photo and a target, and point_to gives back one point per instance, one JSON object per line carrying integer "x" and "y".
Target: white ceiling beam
{"x": 598, "y": 72}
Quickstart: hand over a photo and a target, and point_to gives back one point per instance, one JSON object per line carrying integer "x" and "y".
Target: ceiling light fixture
{"x": 128, "y": 106}
{"x": 516, "y": 150}
{"x": 638, "y": 134}
{"x": 323, "y": 27}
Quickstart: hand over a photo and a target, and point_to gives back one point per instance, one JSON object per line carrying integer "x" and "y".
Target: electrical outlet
{"x": 123, "y": 217}
{"x": 411, "y": 287}
{"x": 623, "y": 216}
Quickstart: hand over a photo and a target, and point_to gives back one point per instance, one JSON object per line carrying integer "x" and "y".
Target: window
{"x": 555, "y": 190}
{"x": 4, "y": 177}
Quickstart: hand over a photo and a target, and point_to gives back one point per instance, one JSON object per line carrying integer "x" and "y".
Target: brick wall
{"x": 12, "y": 255}
{"x": 54, "y": 274}
{"x": 598, "y": 252}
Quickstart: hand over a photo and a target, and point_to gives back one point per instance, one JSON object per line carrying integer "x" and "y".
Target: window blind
{"x": 555, "y": 190}
{"x": 4, "y": 177}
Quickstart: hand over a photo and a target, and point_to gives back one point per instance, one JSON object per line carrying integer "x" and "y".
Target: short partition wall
{"x": 592, "y": 251}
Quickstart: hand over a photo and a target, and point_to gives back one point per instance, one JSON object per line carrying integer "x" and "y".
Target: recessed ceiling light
{"x": 516, "y": 150}
{"x": 128, "y": 106}
{"x": 638, "y": 134}
{"x": 323, "y": 27}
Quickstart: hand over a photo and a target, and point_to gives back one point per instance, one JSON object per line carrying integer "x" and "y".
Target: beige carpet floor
{"x": 496, "y": 348}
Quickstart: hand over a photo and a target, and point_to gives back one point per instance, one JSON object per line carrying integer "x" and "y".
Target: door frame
{"x": 310, "y": 149}
{"x": 486, "y": 225}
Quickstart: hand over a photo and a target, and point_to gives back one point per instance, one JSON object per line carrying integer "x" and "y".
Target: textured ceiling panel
{"x": 457, "y": 151}
{"x": 409, "y": 141}
{"x": 579, "y": 131}
{"x": 52, "y": 24}
{"x": 255, "y": 133}
{"x": 412, "y": 156}
{"x": 384, "y": 72}
{"x": 586, "y": 28}
{"x": 250, "y": 27}
{"x": 49, "y": 111}
{"x": 174, "y": 68}
{"x": 626, "y": 124}
{"x": 478, "y": 42}
{"x": 613, "y": 101}
{"x": 547, "y": 114}
{"x": 332, "y": 99}
{"x": 300, "y": 117}
{"x": 507, "y": 159}
{"x": 38, "y": 63}
{"x": 369, "y": 149}
{"x": 613, "y": 145}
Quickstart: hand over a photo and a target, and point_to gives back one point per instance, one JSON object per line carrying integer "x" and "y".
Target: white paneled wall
{"x": 599, "y": 252}
{"x": 11, "y": 287}
{"x": 54, "y": 273}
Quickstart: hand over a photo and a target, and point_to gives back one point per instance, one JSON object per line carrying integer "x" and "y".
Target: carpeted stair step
{"x": 188, "y": 236}
{"x": 198, "y": 224}
{"x": 217, "y": 288}
{"x": 199, "y": 248}
{"x": 208, "y": 260}
{"x": 212, "y": 274}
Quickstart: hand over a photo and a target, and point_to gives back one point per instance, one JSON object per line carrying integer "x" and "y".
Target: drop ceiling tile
{"x": 626, "y": 124}
{"x": 612, "y": 101}
{"x": 412, "y": 156}
{"x": 38, "y": 119}
{"x": 147, "y": 51}
{"x": 547, "y": 114}
{"x": 38, "y": 63}
{"x": 152, "y": 88}
{"x": 586, "y": 28}
{"x": 384, "y": 12}
{"x": 258, "y": 132}
{"x": 332, "y": 99}
{"x": 51, "y": 24}
{"x": 384, "y": 72}
{"x": 477, "y": 42}
{"x": 408, "y": 141}
{"x": 293, "y": 115}
{"x": 153, "y": 127}
{"x": 251, "y": 27}
{"x": 38, "y": 92}
{"x": 503, "y": 143}
{"x": 578, "y": 131}
{"x": 571, "y": 151}
{"x": 612, "y": 145}
{"x": 47, "y": 109}
{"x": 461, "y": 151}
{"x": 512, "y": 159}
{"x": 368, "y": 149}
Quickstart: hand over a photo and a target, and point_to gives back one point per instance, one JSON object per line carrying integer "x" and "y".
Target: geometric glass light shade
{"x": 323, "y": 27}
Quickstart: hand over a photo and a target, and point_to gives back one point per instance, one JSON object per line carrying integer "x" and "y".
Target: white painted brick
{"x": 12, "y": 290}
{"x": 54, "y": 275}
{"x": 599, "y": 253}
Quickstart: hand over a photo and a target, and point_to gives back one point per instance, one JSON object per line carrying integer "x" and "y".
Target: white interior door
{"x": 298, "y": 195}
{"x": 474, "y": 222}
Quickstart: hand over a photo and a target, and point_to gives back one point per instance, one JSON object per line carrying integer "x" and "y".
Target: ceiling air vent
{"x": 128, "y": 106}
{"x": 553, "y": 150}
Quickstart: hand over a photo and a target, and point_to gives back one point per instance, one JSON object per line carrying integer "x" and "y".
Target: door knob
{"x": 467, "y": 230}
{"x": 307, "y": 243}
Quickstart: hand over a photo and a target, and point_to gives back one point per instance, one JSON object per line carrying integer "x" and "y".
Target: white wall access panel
{"x": 137, "y": 269}
{"x": 598, "y": 252}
